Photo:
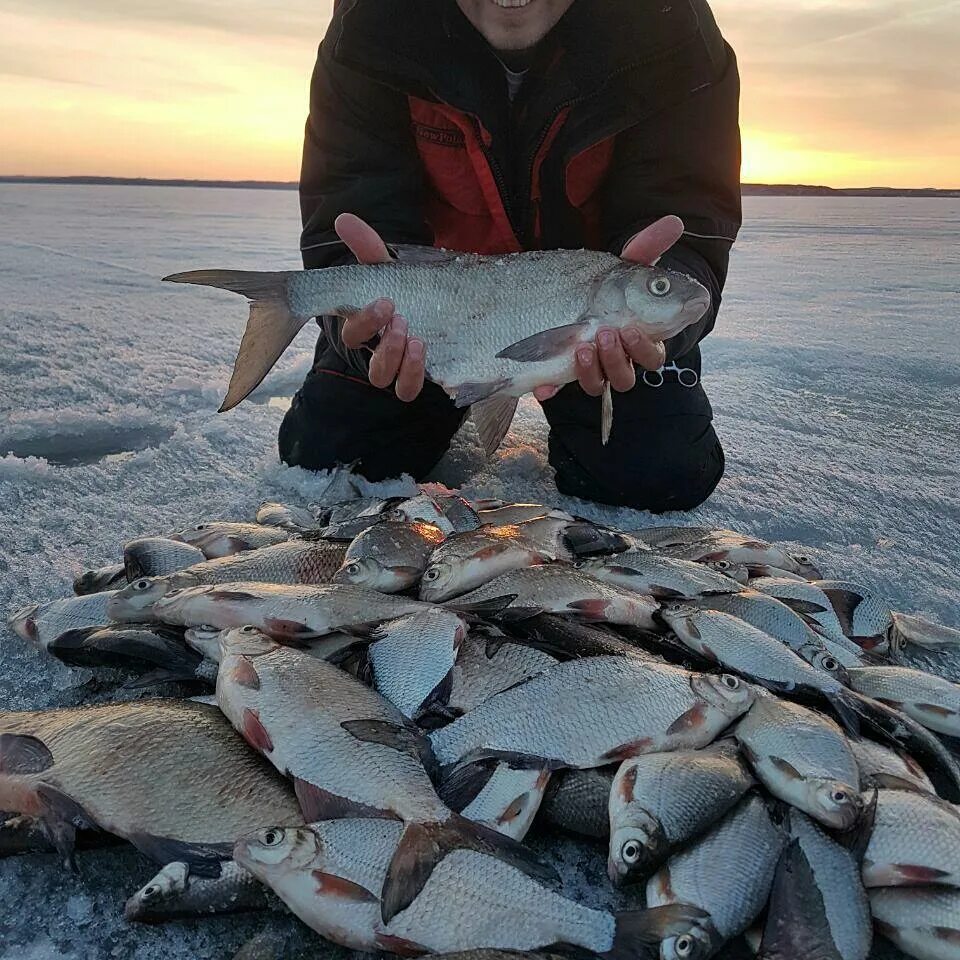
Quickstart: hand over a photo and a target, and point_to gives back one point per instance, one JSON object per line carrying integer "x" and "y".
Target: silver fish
{"x": 804, "y": 598}
{"x": 174, "y": 893}
{"x": 915, "y": 840}
{"x": 329, "y": 875}
{"x": 569, "y": 639}
{"x": 296, "y": 562}
{"x": 661, "y": 801}
{"x": 924, "y": 922}
{"x": 96, "y": 581}
{"x": 469, "y": 560}
{"x": 803, "y": 758}
{"x": 44, "y": 623}
{"x": 412, "y": 659}
{"x": 577, "y": 800}
{"x": 882, "y": 766}
{"x": 222, "y": 538}
{"x": 864, "y": 617}
{"x": 349, "y": 751}
{"x": 557, "y": 588}
{"x": 332, "y": 646}
{"x": 658, "y": 576}
{"x": 736, "y": 645}
{"x": 491, "y": 335}
{"x": 286, "y": 612}
{"x": 170, "y": 776}
{"x": 622, "y": 708}
{"x": 287, "y": 517}
{"x": 745, "y": 845}
{"x": 908, "y": 629}
{"x": 460, "y": 512}
{"x": 487, "y": 664}
{"x": 930, "y": 700}
{"x": 836, "y": 874}
{"x": 423, "y": 508}
{"x": 389, "y": 556}
{"x": 158, "y": 556}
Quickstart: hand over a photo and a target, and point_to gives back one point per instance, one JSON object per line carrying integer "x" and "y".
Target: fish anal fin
{"x": 424, "y": 845}
{"x": 545, "y": 345}
{"x": 476, "y": 391}
{"x": 628, "y": 750}
{"x": 493, "y": 417}
{"x": 329, "y": 885}
{"x": 23, "y": 754}
{"x": 319, "y": 804}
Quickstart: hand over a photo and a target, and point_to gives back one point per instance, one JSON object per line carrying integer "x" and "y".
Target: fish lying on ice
{"x": 390, "y": 556}
{"x": 222, "y": 538}
{"x": 495, "y": 327}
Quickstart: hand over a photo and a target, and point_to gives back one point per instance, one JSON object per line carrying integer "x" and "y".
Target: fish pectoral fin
{"x": 545, "y": 345}
{"x": 319, "y": 804}
{"x": 424, "y": 845}
{"x": 805, "y": 607}
{"x": 488, "y": 607}
{"x": 493, "y": 418}
{"x": 202, "y": 859}
{"x": 403, "y": 739}
{"x": 606, "y": 412}
{"x": 937, "y": 709}
{"x": 786, "y": 768}
{"x": 23, "y": 754}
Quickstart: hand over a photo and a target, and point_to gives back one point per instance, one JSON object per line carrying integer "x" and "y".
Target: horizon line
{"x": 107, "y": 180}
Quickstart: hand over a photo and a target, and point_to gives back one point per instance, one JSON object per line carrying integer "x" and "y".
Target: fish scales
{"x": 930, "y": 700}
{"x": 622, "y": 707}
{"x": 924, "y": 922}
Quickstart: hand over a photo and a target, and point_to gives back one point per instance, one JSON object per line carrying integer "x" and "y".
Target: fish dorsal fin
{"x": 545, "y": 345}
{"x": 493, "y": 418}
{"x": 415, "y": 253}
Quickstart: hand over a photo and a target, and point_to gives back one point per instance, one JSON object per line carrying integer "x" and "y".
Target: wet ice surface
{"x": 834, "y": 374}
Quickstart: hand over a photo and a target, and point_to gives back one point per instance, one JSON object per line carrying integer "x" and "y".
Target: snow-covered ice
{"x": 834, "y": 374}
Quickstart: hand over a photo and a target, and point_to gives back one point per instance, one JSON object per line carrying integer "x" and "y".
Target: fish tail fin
{"x": 903, "y": 732}
{"x": 271, "y": 326}
{"x": 423, "y": 845}
{"x": 637, "y": 931}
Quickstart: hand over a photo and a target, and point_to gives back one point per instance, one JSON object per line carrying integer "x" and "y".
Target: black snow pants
{"x": 663, "y": 453}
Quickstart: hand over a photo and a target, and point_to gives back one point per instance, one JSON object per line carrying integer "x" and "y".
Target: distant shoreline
{"x": 749, "y": 189}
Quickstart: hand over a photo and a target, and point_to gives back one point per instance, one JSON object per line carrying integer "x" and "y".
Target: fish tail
{"x": 271, "y": 326}
{"x": 423, "y": 845}
{"x": 637, "y": 931}
{"x": 903, "y": 732}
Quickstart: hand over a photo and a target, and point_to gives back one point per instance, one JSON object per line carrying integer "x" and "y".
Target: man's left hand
{"x": 613, "y": 355}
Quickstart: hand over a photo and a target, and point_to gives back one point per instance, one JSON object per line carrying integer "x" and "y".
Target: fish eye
{"x": 353, "y": 568}
{"x": 730, "y": 682}
{"x": 684, "y": 946}
{"x": 723, "y": 564}
{"x": 200, "y": 526}
{"x": 150, "y": 892}
{"x": 141, "y": 584}
{"x": 828, "y": 663}
{"x": 839, "y": 796}
{"x": 249, "y": 628}
{"x": 272, "y": 837}
{"x": 630, "y": 852}
{"x": 802, "y": 558}
{"x": 431, "y": 573}
{"x": 659, "y": 286}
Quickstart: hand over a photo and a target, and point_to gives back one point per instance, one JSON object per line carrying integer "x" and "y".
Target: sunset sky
{"x": 838, "y": 92}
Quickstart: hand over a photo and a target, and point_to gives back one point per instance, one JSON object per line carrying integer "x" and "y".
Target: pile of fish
{"x": 404, "y": 687}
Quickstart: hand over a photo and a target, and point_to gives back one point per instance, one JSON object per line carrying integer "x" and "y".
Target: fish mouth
{"x": 696, "y": 306}
{"x": 23, "y": 624}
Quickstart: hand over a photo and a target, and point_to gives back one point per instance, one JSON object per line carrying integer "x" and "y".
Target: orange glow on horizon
{"x": 109, "y": 94}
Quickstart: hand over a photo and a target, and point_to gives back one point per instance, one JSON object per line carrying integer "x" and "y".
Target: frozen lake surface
{"x": 834, "y": 374}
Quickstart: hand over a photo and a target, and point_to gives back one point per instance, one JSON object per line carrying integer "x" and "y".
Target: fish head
{"x": 277, "y": 850}
{"x": 170, "y": 882}
{"x": 682, "y": 619}
{"x": 825, "y": 662}
{"x": 245, "y": 641}
{"x": 205, "y": 640}
{"x": 662, "y": 301}
{"x": 801, "y": 564}
{"x": 735, "y": 571}
{"x": 375, "y": 575}
{"x": 24, "y": 624}
{"x": 440, "y": 581}
{"x": 698, "y": 942}
{"x": 638, "y": 845}
{"x": 727, "y": 693}
{"x": 135, "y": 601}
{"x": 836, "y": 803}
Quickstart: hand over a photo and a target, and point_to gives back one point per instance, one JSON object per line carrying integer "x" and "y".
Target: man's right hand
{"x": 398, "y": 357}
